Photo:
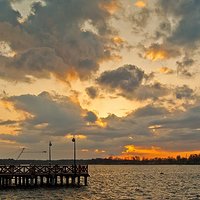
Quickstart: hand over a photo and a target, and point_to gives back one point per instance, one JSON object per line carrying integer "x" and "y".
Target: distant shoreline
{"x": 191, "y": 160}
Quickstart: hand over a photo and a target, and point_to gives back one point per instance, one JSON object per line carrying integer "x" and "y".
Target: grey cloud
{"x": 184, "y": 66}
{"x": 132, "y": 83}
{"x": 22, "y": 138}
{"x": 59, "y": 115}
{"x": 37, "y": 62}
{"x": 55, "y": 116}
{"x": 7, "y": 122}
{"x": 91, "y": 117}
{"x": 17, "y": 38}
{"x": 184, "y": 120}
{"x": 92, "y": 92}
{"x": 172, "y": 130}
{"x": 150, "y": 110}
{"x": 151, "y": 91}
{"x": 7, "y": 14}
{"x": 187, "y": 31}
{"x": 126, "y": 78}
{"x": 140, "y": 18}
{"x": 184, "y": 92}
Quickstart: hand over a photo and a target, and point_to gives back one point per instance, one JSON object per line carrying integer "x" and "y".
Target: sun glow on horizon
{"x": 152, "y": 152}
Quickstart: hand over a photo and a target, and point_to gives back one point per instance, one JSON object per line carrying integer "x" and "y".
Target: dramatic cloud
{"x": 132, "y": 83}
{"x": 152, "y": 110}
{"x": 48, "y": 114}
{"x": 58, "y": 117}
{"x": 56, "y": 39}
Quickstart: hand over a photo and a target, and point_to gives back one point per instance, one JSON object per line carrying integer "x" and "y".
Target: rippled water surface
{"x": 124, "y": 182}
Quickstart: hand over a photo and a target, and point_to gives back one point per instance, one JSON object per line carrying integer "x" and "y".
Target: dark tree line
{"x": 193, "y": 159}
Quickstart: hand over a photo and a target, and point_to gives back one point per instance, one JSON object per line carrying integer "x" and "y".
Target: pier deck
{"x": 44, "y": 175}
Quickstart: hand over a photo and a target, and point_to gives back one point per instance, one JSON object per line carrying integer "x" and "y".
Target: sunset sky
{"x": 121, "y": 75}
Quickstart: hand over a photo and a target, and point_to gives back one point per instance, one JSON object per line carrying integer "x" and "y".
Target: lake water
{"x": 124, "y": 183}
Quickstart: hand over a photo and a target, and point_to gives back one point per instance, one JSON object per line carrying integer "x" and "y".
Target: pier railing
{"x": 43, "y": 170}
{"x": 42, "y": 175}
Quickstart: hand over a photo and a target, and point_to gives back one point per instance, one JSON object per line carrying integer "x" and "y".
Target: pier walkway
{"x": 42, "y": 175}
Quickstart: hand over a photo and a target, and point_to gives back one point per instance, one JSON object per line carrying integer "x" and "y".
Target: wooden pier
{"x": 44, "y": 175}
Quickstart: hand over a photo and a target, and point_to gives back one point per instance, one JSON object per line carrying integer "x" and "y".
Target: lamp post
{"x": 74, "y": 141}
{"x": 50, "y": 144}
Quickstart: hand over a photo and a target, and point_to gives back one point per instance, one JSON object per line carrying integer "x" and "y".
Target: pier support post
{"x": 61, "y": 180}
{"x": 15, "y": 180}
{"x": 23, "y": 181}
{"x": 20, "y": 181}
{"x": 79, "y": 180}
{"x": 36, "y": 180}
{"x": 73, "y": 180}
{"x": 41, "y": 180}
{"x": 56, "y": 180}
{"x": 67, "y": 180}
{"x": 85, "y": 180}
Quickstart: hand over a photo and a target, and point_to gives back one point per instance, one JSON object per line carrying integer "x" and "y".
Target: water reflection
{"x": 124, "y": 183}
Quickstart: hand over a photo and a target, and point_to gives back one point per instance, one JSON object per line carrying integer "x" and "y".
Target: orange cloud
{"x": 77, "y": 136}
{"x": 165, "y": 70}
{"x": 110, "y": 7}
{"x": 140, "y": 4}
{"x": 99, "y": 151}
{"x": 7, "y": 141}
{"x": 72, "y": 75}
{"x": 41, "y": 126}
{"x": 13, "y": 113}
{"x": 118, "y": 40}
{"x": 156, "y": 54}
{"x": 84, "y": 150}
{"x": 160, "y": 52}
{"x": 101, "y": 123}
{"x": 11, "y": 130}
